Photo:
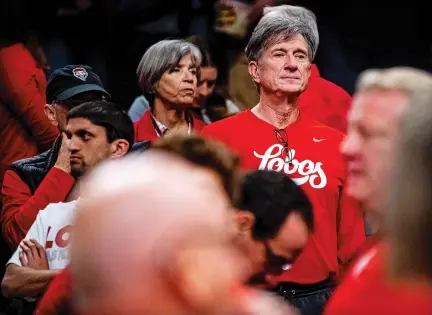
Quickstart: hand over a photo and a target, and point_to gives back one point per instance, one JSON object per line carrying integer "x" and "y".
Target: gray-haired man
{"x": 280, "y": 53}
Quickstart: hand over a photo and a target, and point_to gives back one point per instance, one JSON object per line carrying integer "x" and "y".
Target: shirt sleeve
{"x": 37, "y": 233}
{"x": 20, "y": 207}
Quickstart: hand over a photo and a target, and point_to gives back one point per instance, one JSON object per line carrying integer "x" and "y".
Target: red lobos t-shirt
{"x": 317, "y": 166}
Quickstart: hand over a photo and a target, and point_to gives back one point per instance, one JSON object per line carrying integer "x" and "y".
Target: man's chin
{"x": 258, "y": 281}
{"x": 77, "y": 172}
{"x": 290, "y": 89}
{"x": 357, "y": 191}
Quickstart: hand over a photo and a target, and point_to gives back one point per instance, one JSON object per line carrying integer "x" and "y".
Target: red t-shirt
{"x": 145, "y": 128}
{"x": 317, "y": 166}
{"x": 366, "y": 291}
{"x": 325, "y": 102}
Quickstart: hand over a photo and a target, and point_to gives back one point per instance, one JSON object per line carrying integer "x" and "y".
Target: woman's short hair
{"x": 161, "y": 57}
{"x": 279, "y": 24}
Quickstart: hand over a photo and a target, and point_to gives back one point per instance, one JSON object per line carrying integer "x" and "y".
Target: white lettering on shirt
{"x": 308, "y": 170}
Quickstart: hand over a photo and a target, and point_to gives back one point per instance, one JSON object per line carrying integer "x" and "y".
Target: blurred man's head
{"x": 96, "y": 131}
{"x": 211, "y": 155}
{"x": 148, "y": 232}
{"x": 274, "y": 219}
{"x": 380, "y": 102}
{"x": 69, "y": 87}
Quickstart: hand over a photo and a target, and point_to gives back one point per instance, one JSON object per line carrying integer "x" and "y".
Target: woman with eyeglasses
{"x": 275, "y": 136}
{"x": 168, "y": 74}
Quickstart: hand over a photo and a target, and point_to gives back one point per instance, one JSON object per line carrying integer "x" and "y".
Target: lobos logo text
{"x": 61, "y": 239}
{"x": 309, "y": 171}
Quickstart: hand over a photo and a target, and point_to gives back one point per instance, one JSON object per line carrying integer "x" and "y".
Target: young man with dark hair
{"x": 204, "y": 153}
{"x": 96, "y": 131}
{"x": 274, "y": 219}
{"x": 102, "y": 129}
{"x": 31, "y": 184}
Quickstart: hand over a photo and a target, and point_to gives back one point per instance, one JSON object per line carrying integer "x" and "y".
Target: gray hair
{"x": 407, "y": 80}
{"x": 410, "y": 205}
{"x": 279, "y": 24}
{"x": 161, "y": 57}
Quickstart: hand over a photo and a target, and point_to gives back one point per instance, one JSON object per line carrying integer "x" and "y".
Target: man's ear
{"x": 50, "y": 112}
{"x": 244, "y": 220}
{"x": 119, "y": 148}
{"x": 254, "y": 71}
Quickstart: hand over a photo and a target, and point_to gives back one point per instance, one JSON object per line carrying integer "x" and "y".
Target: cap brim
{"x": 67, "y": 94}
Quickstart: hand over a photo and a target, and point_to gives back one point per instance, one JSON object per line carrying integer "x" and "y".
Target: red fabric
{"x": 20, "y": 207}
{"x": 325, "y": 102}
{"x": 24, "y": 129}
{"x": 319, "y": 169}
{"x": 57, "y": 295}
{"x": 366, "y": 291}
{"x": 144, "y": 128}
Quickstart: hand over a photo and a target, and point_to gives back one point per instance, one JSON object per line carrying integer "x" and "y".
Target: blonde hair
{"x": 409, "y": 211}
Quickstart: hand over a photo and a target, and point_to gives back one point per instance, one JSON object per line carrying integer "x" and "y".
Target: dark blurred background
{"x": 112, "y": 35}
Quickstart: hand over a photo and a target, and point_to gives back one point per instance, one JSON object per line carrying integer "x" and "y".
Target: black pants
{"x": 309, "y": 299}
{"x": 21, "y": 307}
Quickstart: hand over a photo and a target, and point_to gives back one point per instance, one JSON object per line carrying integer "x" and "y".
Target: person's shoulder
{"x": 143, "y": 119}
{"x": 226, "y": 123}
{"x": 58, "y": 208}
{"x": 198, "y": 122}
{"x": 326, "y": 131}
{"x": 140, "y": 146}
{"x": 332, "y": 88}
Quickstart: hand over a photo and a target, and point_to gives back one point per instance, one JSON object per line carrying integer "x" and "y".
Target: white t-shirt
{"x": 52, "y": 229}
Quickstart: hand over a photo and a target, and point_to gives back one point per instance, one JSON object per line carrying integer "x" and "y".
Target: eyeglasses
{"x": 275, "y": 264}
{"x": 282, "y": 137}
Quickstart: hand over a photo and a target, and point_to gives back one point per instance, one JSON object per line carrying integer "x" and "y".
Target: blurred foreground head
{"x": 382, "y": 100}
{"x": 206, "y": 153}
{"x": 148, "y": 233}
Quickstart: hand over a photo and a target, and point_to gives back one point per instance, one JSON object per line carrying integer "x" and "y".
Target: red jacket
{"x": 24, "y": 129}
{"x": 145, "y": 130}
{"x": 325, "y": 102}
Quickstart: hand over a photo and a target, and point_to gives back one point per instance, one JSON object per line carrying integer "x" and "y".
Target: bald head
{"x": 134, "y": 217}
